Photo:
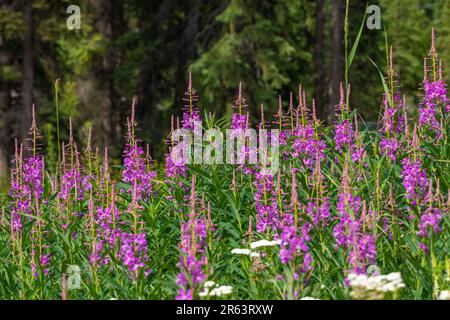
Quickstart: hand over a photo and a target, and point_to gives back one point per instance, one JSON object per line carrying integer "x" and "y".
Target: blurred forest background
{"x": 145, "y": 48}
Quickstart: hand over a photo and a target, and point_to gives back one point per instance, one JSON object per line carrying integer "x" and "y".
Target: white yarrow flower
{"x": 379, "y": 283}
{"x": 221, "y": 291}
{"x": 203, "y": 293}
{"x": 265, "y": 243}
{"x": 246, "y": 252}
{"x": 241, "y": 251}
{"x": 218, "y": 291}
{"x": 394, "y": 276}
{"x": 444, "y": 295}
{"x": 209, "y": 284}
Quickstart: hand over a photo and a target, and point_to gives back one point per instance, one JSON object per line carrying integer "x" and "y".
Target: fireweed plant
{"x": 349, "y": 214}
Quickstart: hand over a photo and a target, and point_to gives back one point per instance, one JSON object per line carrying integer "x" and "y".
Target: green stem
{"x": 57, "y": 119}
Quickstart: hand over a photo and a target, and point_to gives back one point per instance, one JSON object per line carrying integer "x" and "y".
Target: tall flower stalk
{"x": 193, "y": 251}
{"x": 435, "y": 105}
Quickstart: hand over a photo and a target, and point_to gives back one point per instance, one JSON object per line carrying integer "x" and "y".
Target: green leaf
{"x": 385, "y": 87}
{"x": 355, "y": 45}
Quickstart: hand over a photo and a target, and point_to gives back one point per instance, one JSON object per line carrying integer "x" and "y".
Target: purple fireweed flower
{"x": 363, "y": 253}
{"x": 344, "y": 134}
{"x": 182, "y": 280}
{"x": 33, "y": 175}
{"x": 429, "y": 222}
{"x": 174, "y": 169}
{"x": 286, "y": 220}
{"x": 106, "y": 220}
{"x": 133, "y": 251}
{"x": 86, "y": 184}
{"x": 190, "y": 112}
{"x": 266, "y": 205}
{"x": 20, "y": 194}
{"x": 136, "y": 171}
{"x": 427, "y": 118}
{"x": 247, "y": 170}
{"x": 391, "y": 114}
{"x": 284, "y": 136}
{"x": 357, "y": 153}
{"x": 239, "y": 121}
{"x": 95, "y": 258}
{"x": 348, "y": 201}
{"x": 72, "y": 184}
{"x": 348, "y": 232}
{"x": 389, "y": 147}
{"x": 434, "y": 102}
{"x": 194, "y": 268}
{"x": 132, "y": 247}
{"x": 240, "y": 126}
{"x": 401, "y": 123}
{"x": 184, "y": 294}
{"x": 192, "y": 259}
{"x": 423, "y": 247}
{"x": 26, "y": 181}
{"x": 307, "y": 145}
{"x": 415, "y": 180}
{"x": 19, "y": 206}
{"x": 293, "y": 245}
{"x": 345, "y": 230}
{"x": 197, "y": 229}
{"x": 386, "y": 228}
{"x": 193, "y": 247}
{"x": 34, "y": 270}
{"x": 319, "y": 212}
{"x": 346, "y": 137}
{"x": 189, "y": 119}
{"x": 45, "y": 261}
{"x": 436, "y": 94}
{"x": 307, "y": 262}
{"x": 388, "y": 118}
{"x": 348, "y": 207}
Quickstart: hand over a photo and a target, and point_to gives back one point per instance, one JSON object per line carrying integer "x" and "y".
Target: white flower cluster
{"x": 246, "y": 252}
{"x": 265, "y": 243}
{"x": 309, "y": 298}
{"x": 383, "y": 283}
{"x": 444, "y": 295}
{"x": 256, "y": 245}
{"x": 210, "y": 289}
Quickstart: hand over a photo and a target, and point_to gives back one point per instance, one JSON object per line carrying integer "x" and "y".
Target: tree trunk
{"x": 189, "y": 50}
{"x": 337, "y": 60}
{"x": 117, "y": 108}
{"x": 103, "y": 26}
{"x": 98, "y": 89}
{"x": 153, "y": 21}
{"x": 24, "y": 116}
{"x": 4, "y": 127}
{"x": 319, "y": 78}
